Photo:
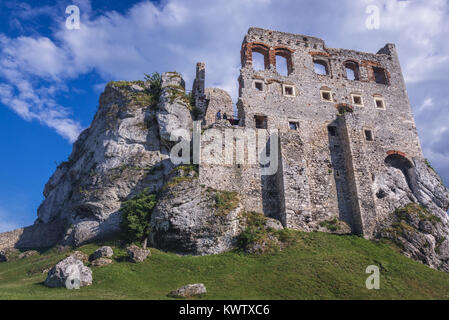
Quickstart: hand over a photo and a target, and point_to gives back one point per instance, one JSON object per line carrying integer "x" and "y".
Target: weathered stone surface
{"x": 173, "y": 110}
{"x": 100, "y": 262}
{"x": 189, "y": 290}
{"x": 27, "y": 254}
{"x": 421, "y": 232}
{"x": 68, "y": 268}
{"x": 184, "y": 220}
{"x": 103, "y": 252}
{"x": 137, "y": 254}
{"x": 78, "y": 255}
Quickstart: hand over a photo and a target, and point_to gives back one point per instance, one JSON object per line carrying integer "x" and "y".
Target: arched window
{"x": 321, "y": 67}
{"x": 284, "y": 64}
{"x": 281, "y": 65}
{"x": 258, "y": 61}
{"x": 352, "y": 70}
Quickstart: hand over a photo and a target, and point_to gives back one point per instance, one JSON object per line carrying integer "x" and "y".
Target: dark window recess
{"x": 261, "y": 122}
{"x": 288, "y": 90}
{"x": 293, "y": 125}
{"x": 379, "y": 75}
{"x": 332, "y": 131}
{"x": 357, "y": 99}
{"x": 259, "y": 86}
{"x": 326, "y": 95}
{"x": 369, "y": 135}
{"x": 380, "y": 104}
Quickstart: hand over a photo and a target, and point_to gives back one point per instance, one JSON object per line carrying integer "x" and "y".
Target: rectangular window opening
{"x": 326, "y": 95}
{"x": 258, "y": 85}
{"x": 293, "y": 125}
{"x": 357, "y": 100}
{"x": 379, "y": 103}
{"x": 369, "y": 135}
{"x": 289, "y": 90}
{"x": 261, "y": 122}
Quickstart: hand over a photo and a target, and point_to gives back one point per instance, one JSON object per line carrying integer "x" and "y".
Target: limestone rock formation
{"x": 419, "y": 223}
{"x": 189, "y": 290}
{"x": 69, "y": 269}
{"x": 187, "y": 219}
{"x": 124, "y": 151}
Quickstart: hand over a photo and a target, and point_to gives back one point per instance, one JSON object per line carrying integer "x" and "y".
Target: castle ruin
{"x": 343, "y": 117}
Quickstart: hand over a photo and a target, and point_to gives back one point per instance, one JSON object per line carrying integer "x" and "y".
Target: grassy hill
{"x": 317, "y": 266}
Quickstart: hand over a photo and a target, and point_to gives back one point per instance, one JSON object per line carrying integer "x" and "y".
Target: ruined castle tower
{"x": 343, "y": 117}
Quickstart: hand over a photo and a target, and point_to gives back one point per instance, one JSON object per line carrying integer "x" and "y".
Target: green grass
{"x": 317, "y": 266}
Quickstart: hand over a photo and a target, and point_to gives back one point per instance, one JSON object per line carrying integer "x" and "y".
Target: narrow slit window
{"x": 369, "y": 135}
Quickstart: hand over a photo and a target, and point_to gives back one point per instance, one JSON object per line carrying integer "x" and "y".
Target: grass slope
{"x": 318, "y": 266}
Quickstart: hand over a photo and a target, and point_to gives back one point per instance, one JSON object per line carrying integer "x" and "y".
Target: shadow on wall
{"x": 336, "y": 149}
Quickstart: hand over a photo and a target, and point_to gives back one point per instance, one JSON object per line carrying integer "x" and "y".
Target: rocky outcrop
{"x": 103, "y": 252}
{"x": 69, "y": 273}
{"x": 124, "y": 151}
{"x": 418, "y": 202}
{"x": 189, "y": 218}
{"x": 189, "y": 290}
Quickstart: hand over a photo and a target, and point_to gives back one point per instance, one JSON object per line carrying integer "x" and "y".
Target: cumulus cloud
{"x": 175, "y": 34}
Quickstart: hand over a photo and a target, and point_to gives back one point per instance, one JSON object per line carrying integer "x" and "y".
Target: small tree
{"x": 136, "y": 214}
{"x": 155, "y": 89}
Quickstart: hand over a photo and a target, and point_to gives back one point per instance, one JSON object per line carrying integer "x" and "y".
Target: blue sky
{"x": 51, "y": 77}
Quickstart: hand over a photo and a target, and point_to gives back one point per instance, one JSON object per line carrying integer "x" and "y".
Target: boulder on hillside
{"x": 189, "y": 290}
{"x": 78, "y": 255}
{"x": 137, "y": 254}
{"x": 69, "y": 273}
{"x": 100, "y": 262}
{"x": 103, "y": 252}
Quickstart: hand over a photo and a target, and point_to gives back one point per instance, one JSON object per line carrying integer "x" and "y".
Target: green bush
{"x": 136, "y": 215}
{"x": 155, "y": 89}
